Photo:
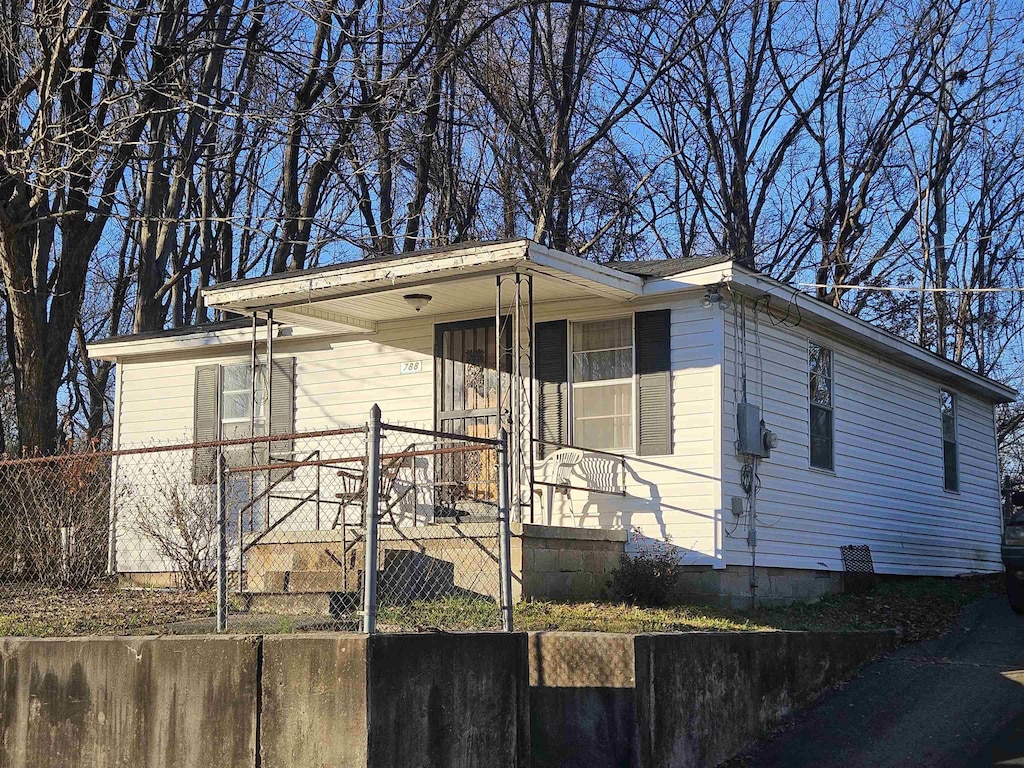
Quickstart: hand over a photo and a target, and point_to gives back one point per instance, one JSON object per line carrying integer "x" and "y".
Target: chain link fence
{"x": 441, "y": 539}
{"x": 257, "y": 534}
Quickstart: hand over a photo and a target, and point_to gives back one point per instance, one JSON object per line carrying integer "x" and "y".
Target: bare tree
{"x": 80, "y": 86}
{"x": 562, "y": 79}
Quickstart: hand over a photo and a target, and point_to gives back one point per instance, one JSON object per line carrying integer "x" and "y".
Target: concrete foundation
{"x": 560, "y": 563}
{"x": 730, "y": 587}
{"x": 548, "y": 563}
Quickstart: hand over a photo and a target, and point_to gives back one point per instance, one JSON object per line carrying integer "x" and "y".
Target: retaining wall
{"x": 237, "y": 702}
{"x": 131, "y": 701}
{"x": 677, "y": 699}
{"x": 437, "y": 700}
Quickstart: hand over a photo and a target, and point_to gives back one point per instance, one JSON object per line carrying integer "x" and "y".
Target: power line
{"x": 912, "y": 289}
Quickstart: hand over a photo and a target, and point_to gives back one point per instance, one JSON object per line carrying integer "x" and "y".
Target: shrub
{"x": 181, "y": 522}
{"x": 648, "y": 576}
{"x": 55, "y": 519}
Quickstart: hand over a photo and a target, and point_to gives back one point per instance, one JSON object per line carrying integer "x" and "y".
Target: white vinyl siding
{"x": 674, "y": 497}
{"x": 338, "y": 380}
{"x": 886, "y": 490}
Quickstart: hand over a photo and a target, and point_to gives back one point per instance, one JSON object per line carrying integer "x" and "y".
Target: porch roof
{"x": 355, "y": 296}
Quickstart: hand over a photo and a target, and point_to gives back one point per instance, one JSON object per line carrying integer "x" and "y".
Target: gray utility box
{"x": 751, "y": 440}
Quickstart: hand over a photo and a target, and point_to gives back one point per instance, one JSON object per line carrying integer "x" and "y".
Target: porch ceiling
{"x": 362, "y": 312}
{"x": 354, "y": 298}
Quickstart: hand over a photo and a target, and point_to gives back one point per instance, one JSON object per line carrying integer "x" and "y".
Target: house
{"x": 690, "y": 401}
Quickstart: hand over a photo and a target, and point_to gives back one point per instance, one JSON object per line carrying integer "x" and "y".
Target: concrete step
{"x": 339, "y": 606}
{"x": 288, "y": 581}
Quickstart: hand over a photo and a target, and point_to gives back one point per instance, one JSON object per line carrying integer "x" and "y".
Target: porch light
{"x": 417, "y": 300}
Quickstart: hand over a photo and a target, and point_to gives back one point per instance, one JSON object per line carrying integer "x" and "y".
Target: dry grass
{"x": 101, "y": 610}
{"x": 920, "y": 608}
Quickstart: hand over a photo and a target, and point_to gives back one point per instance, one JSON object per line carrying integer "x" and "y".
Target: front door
{"x": 467, "y": 404}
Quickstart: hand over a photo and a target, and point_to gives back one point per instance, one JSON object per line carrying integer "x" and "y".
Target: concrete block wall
{"x": 730, "y": 587}
{"x": 548, "y": 562}
{"x": 556, "y": 563}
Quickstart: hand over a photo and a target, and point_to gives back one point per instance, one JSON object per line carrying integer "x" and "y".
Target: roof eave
{"x": 299, "y": 288}
{"x": 871, "y": 336}
{"x": 114, "y": 349}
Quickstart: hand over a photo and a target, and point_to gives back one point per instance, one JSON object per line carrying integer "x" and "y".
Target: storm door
{"x": 467, "y": 404}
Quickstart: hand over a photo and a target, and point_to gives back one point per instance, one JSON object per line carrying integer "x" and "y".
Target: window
{"x": 236, "y": 401}
{"x": 223, "y": 406}
{"x": 602, "y": 384}
{"x": 819, "y": 380}
{"x": 950, "y": 468}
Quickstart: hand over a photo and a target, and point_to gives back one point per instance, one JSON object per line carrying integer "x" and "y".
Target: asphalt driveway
{"x": 955, "y": 701}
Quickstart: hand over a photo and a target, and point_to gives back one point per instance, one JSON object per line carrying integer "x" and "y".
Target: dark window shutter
{"x": 654, "y": 381}
{"x": 205, "y": 423}
{"x": 551, "y": 367}
{"x": 282, "y": 412}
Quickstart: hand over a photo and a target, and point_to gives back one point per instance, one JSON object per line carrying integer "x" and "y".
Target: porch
{"x": 438, "y": 494}
{"x": 480, "y": 376}
{"x": 310, "y": 569}
{"x": 442, "y": 533}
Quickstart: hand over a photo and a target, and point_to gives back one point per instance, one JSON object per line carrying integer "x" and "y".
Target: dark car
{"x": 1013, "y": 560}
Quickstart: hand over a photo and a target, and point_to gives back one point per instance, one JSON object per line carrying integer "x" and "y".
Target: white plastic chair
{"x": 563, "y": 462}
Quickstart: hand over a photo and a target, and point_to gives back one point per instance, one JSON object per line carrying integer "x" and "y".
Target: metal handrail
{"x": 443, "y": 435}
{"x": 620, "y": 456}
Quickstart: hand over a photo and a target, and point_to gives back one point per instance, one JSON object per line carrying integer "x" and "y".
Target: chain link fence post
{"x": 222, "y": 542}
{"x": 504, "y": 537}
{"x": 372, "y": 508}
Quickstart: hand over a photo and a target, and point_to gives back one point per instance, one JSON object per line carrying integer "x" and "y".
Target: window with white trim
{"x": 236, "y": 401}
{"x": 602, "y": 384}
{"x": 822, "y": 415}
{"x": 950, "y": 460}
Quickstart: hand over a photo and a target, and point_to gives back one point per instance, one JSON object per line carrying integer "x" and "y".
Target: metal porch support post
{"x": 222, "y": 543}
{"x": 267, "y": 410}
{"x": 504, "y": 535}
{"x": 372, "y": 507}
{"x": 531, "y": 378}
{"x": 497, "y": 346}
{"x": 253, "y": 378}
{"x": 515, "y": 437}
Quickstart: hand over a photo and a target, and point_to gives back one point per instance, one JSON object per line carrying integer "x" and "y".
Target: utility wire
{"x": 913, "y": 289}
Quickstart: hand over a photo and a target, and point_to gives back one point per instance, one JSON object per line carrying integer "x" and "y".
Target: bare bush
{"x": 648, "y": 576}
{"x": 181, "y": 523}
{"x": 56, "y": 521}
